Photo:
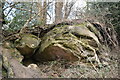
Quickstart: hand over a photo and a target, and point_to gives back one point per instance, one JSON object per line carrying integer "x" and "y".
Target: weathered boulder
{"x": 12, "y": 67}
{"x": 76, "y": 42}
{"x": 0, "y": 64}
{"x": 9, "y": 46}
{"x": 27, "y": 44}
{"x": 83, "y": 41}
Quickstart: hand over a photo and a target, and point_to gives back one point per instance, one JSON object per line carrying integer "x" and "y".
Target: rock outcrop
{"x": 70, "y": 42}
{"x": 27, "y": 44}
{"x": 85, "y": 42}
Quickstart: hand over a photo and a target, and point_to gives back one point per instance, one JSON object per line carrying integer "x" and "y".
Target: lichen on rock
{"x": 68, "y": 42}
{"x": 27, "y": 44}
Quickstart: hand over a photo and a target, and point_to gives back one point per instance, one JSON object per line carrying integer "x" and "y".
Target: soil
{"x": 62, "y": 69}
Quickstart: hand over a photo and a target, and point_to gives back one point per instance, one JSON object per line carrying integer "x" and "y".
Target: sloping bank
{"x": 85, "y": 42}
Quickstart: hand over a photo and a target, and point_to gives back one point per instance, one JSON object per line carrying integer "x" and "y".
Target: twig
{"x": 29, "y": 11}
{"x": 11, "y": 5}
{"x": 49, "y": 15}
{"x": 25, "y": 25}
{"x": 9, "y": 11}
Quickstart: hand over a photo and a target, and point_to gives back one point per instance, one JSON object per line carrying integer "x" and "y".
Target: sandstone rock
{"x": 67, "y": 42}
{"x": 27, "y": 44}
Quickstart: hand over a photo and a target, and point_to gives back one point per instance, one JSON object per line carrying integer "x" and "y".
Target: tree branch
{"x": 11, "y": 5}
{"x": 25, "y": 25}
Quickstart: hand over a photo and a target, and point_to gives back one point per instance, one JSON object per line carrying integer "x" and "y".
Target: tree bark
{"x": 58, "y": 12}
{"x": 1, "y": 20}
{"x": 0, "y": 65}
{"x": 1, "y": 35}
{"x": 42, "y": 12}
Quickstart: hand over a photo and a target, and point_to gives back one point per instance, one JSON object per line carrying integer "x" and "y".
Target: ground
{"x": 62, "y": 69}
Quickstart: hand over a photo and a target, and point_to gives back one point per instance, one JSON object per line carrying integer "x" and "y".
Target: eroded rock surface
{"x": 82, "y": 42}
{"x": 27, "y": 44}
{"x": 13, "y": 67}
{"x": 76, "y": 42}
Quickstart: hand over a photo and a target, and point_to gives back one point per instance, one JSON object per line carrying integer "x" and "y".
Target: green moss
{"x": 64, "y": 38}
{"x": 27, "y": 44}
{"x": 82, "y": 24}
{"x": 4, "y": 73}
{"x": 93, "y": 29}
{"x": 30, "y": 40}
{"x": 7, "y": 67}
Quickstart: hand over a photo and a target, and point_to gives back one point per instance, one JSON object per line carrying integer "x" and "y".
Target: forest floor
{"x": 62, "y": 69}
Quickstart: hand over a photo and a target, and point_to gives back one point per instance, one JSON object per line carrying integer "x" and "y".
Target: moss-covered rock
{"x": 76, "y": 42}
{"x": 9, "y": 46}
{"x": 27, "y": 44}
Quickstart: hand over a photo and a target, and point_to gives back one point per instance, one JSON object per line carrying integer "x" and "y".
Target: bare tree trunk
{"x": 1, "y": 20}
{"x": 39, "y": 5}
{"x": 0, "y": 64}
{"x": 58, "y": 11}
{"x": 42, "y": 12}
{"x": 1, "y": 37}
{"x": 66, "y": 11}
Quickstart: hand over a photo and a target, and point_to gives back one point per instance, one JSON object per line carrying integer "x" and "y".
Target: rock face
{"x": 82, "y": 41}
{"x": 27, "y": 44}
{"x": 12, "y": 68}
{"x": 76, "y": 42}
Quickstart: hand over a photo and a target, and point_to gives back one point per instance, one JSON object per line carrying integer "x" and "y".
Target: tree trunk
{"x": 1, "y": 20}
{"x": 42, "y": 12}
{"x": 0, "y": 65}
{"x": 1, "y": 35}
{"x": 58, "y": 11}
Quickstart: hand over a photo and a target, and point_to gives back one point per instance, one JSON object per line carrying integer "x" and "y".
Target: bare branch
{"x": 9, "y": 11}
{"x": 49, "y": 15}
{"x": 68, "y": 8}
{"x": 11, "y": 5}
{"x": 25, "y": 25}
